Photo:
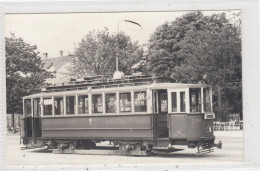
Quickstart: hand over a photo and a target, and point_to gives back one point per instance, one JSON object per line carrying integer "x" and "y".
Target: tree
{"x": 24, "y": 72}
{"x": 97, "y": 52}
{"x": 163, "y": 46}
{"x": 201, "y": 48}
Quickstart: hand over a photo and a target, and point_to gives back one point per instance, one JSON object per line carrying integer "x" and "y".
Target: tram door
{"x": 160, "y": 106}
{"x": 36, "y": 124}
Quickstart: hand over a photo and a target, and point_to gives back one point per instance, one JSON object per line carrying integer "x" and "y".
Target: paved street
{"x": 232, "y": 151}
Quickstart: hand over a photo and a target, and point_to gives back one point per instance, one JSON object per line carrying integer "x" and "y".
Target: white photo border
{"x": 250, "y": 69}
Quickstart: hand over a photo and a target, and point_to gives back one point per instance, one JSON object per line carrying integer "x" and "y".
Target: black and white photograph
{"x": 124, "y": 88}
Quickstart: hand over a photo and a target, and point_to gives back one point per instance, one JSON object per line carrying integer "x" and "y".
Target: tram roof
{"x": 125, "y": 88}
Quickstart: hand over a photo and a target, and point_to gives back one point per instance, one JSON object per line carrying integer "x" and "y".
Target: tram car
{"x": 139, "y": 114}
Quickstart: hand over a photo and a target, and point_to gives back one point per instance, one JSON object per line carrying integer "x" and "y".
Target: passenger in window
{"x": 110, "y": 103}
{"x": 125, "y": 102}
{"x": 140, "y": 101}
{"x": 83, "y": 104}
{"x": 97, "y": 104}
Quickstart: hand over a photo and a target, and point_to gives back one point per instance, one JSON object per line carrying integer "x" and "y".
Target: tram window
{"x": 155, "y": 102}
{"x": 47, "y": 106}
{"x": 83, "y": 104}
{"x": 36, "y": 107}
{"x": 174, "y": 102}
{"x": 195, "y": 100}
{"x": 97, "y": 104}
{"x": 111, "y": 103}
{"x": 182, "y": 102}
{"x": 70, "y": 105}
{"x": 27, "y": 107}
{"x": 125, "y": 102}
{"x": 140, "y": 101}
{"x": 207, "y": 101}
{"x": 163, "y": 101}
{"x": 59, "y": 108}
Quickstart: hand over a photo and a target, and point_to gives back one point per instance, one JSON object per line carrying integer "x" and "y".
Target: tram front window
{"x": 207, "y": 100}
{"x": 47, "y": 106}
{"x": 140, "y": 101}
{"x": 182, "y": 101}
{"x": 195, "y": 100}
{"x": 27, "y": 107}
{"x": 174, "y": 102}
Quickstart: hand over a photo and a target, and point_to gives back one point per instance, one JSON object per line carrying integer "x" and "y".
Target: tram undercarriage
{"x": 135, "y": 148}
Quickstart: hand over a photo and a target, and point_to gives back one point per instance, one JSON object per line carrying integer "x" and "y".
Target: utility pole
{"x": 219, "y": 104}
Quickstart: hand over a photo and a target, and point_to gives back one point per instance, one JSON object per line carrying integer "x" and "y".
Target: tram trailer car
{"x": 139, "y": 114}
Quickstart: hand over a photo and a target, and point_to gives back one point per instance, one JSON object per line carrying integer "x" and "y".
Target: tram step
{"x": 205, "y": 151}
{"x": 161, "y": 143}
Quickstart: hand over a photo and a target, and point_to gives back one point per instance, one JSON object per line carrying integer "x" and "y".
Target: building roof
{"x": 57, "y": 62}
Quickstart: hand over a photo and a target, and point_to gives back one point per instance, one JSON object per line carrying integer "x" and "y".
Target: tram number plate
{"x": 209, "y": 116}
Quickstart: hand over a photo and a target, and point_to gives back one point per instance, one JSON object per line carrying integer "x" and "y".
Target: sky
{"x": 54, "y": 32}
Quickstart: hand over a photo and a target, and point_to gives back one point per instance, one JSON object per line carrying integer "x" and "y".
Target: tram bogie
{"x": 140, "y": 116}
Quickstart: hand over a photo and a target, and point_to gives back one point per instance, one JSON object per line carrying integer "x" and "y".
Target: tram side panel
{"x": 190, "y": 127}
{"x": 116, "y": 127}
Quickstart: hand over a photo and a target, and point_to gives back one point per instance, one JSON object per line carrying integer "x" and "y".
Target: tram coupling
{"x": 208, "y": 147}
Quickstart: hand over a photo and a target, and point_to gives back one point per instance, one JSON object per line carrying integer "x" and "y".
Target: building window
{"x": 59, "y": 106}
{"x": 182, "y": 102}
{"x": 27, "y": 107}
{"x": 195, "y": 100}
{"x": 140, "y": 101}
{"x": 125, "y": 102}
{"x": 174, "y": 102}
{"x": 111, "y": 103}
{"x": 36, "y": 107}
{"x": 83, "y": 104}
{"x": 47, "y": 106}
{"x": 207, "y": 100}
{"x": 97, "y": 104}
{"x": 70, "y": 105}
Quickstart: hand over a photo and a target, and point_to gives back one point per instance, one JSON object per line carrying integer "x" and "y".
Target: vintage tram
{"x": 139, "y": 114}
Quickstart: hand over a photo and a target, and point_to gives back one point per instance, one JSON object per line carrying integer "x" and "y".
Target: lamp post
{"x": 126, "y": 21}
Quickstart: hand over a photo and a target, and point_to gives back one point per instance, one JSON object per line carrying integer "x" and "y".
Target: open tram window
{"x": 182, "y": 102}
{"x": 125, "y": 102}
{"x": 27, "y": 107}
{"x": 70, "y": 105}
{"x": 174, "y": 102}
{"x": 207, "y": 100}
{"x": 195, "y": 100}
{"x": 97, "y": 104}
{"x": 47, "y": 106}
{"x": 111, "y": 103}
{"x": 140, "y": 101}
{"x": 59, "y": 107}
{"x": 83, "y": 104}
{"x": 36, "y": 107}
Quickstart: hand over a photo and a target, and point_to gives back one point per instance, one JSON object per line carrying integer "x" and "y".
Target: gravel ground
{"x": 232, "y": 151}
